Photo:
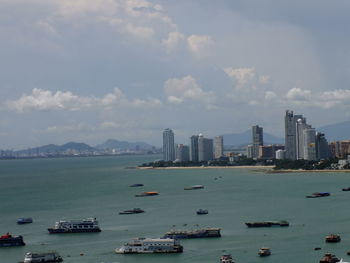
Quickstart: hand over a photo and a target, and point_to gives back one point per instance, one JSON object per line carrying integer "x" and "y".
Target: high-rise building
{"x": 194, "y": 148}
{"x": 218, "y": 147}
{"x": 257, "y": 138}
{"x": 299, "y": 136}
{"x": 182, "y": 153}
{"x": 290, "y": 123}
{"x": 168, "y": 145}
{"x": 322, "y": 149}
{"x": 205, "y": 149}
{"x": 269, "y": 151}
{"x": 280, "y": 154}
{"x": 309, "y": 144}
{"x": 250, "y": 151}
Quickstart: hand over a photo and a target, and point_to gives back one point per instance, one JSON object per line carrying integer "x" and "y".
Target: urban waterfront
{"x": 76, "y": 188}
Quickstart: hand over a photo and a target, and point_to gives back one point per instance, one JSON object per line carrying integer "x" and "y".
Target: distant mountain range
{"x": 120, "y": 146}
{"x": 245, "y": 138}
{"x": 337, "y": 131}
{"x": 334, "y": 132}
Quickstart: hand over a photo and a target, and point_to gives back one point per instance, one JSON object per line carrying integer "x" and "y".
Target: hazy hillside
{"x": 123, "y": 145}
{"x": 336, "y": 131}
{"x": 245, "y": 138}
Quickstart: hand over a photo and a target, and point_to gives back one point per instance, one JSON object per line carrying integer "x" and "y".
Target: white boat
{"x": 227, "y": 258}
{"x": 75, "y": 226}
{"x": 150, "y": 245}
{"x": 48, "y": 257}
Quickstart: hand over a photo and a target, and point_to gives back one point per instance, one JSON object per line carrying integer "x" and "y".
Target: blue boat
{"x": 24, "y": 220}
{"x": 136, "y": 185}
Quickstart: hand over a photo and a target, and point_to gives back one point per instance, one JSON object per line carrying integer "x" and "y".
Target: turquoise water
{"x": 76, "y": 188}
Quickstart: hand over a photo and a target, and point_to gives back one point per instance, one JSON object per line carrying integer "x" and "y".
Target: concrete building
{"x": 257, "y": 140}
{"x": 340, "y": 149}
{"x": 268, "y": 152}
{"x": 182, "y": 153}
{"x": 205, "y": 149}
{"x": 218, "y": 147}
{"x": 168, "y": 145}
{"x": 299, "y": 136}
{"x": 250, "y": 151}
{"x": 309, "y": 144}
{"x": 290, "y": 122}
{"x": 280, "y": 154}
{"x": 194, "y": 148}
{"x": 322, "y": 149}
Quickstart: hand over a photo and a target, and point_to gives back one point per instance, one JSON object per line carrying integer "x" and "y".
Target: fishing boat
{"x": 329, "y": 258}
{"x": 227, "y": 258}
{"x": 202, "y": 212}
{"x": 318, "y": 194}
{"x": 333, "y": 238}
{"x": 132, "y": 211}
{"x": 136, "y": 185}
{"x": 264, "y": 251}
{"x": 194, "y": 187}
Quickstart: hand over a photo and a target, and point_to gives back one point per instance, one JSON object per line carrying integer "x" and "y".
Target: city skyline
{"x": 92, "y": 70}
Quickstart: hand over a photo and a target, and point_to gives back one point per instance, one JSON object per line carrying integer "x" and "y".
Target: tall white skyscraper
{"x": 182, "y": 153}
{"x": 290, "y": 123}
{"x": 218, "y": 147}
{"x": 168, "y": 145}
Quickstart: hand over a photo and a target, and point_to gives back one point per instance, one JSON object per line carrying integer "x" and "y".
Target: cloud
{"x": 200, "y": 45}
{"x": 187, "y": 88}
{"x": 298, "y": 94}
{"x": 45, "y": 100}
{"x": 173, "y": 41}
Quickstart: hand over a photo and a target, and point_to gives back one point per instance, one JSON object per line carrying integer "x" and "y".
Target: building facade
{"x": 322, "y": 149}
{"x": 194, "y": 148}
{"x": 168, "y": 145}
{"x": 257, "y": 140}
{"x": 218, "y": 147}
{"x": 182, "y": 153}
{"x": 205, "y": 149}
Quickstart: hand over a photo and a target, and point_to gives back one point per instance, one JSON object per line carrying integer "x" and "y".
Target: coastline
{"x": 262, "y": 168}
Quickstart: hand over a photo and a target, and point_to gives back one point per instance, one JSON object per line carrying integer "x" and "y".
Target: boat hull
{"x": 69, "y": 231}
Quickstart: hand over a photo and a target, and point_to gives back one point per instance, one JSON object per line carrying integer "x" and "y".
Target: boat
{"x": 75, "y": 226}
{"x": 197, "y": 233}
{"x": 150, "y": 245}
{"x": 268, "y": 223}
{"x": 132, "y": 211}
{"x": 194, "y": 187}
{"x": 318, "y": 194}
{"x": 264, "y": 251}
{"x": 329, "y": 258}
{"x": 202, "y": 212}
{"x": 147, "y": 194}
{"x": 346, "y": 189}
{"x": 136, "y": 185}
{"x": 42, "y": 257}
{"x": 24, "y": 220}
{"x": 333, "y": 238}
{"x": 227, "y": 258}
{"x": 8, "y": 240}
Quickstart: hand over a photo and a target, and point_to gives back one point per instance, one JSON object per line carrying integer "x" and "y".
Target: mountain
{"x": 123, "y": 145}
{"x": 337, "y": 131}
{"x": 53, "y": 148}
{"x": 245, "y": 138}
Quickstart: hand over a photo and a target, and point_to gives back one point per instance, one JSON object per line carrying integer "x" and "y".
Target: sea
{"x": 49, "y": 190}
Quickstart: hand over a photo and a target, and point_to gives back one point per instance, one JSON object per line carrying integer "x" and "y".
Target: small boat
{"x": 132, "y": 211}
{"x": 318, "y": 194}
{"x": 346, "y": 189}
{"x": 42, "y": 257}
{"x": 268, "y": 223}
{"x": 24, "y": 220}
{"x": 147, "y": 194}
{"x": 264, "y": 251}
{"x": 333, "y": 238}
{"x": 194, "y": 187}
{"x": 136, "y": 185}
{"x": 329, "y": 258}
{"x": 227, "y": 258}
{"x": 202, "y": 212}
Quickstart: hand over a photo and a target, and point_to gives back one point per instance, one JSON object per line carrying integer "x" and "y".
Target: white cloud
{"x": 200, "y": 45}
{"x": 187, "y": 88}
{"x": 84, "y": 7}
{"x": 173, "y": 41}
{"x": 242, "y": 76}
{"x": 298, "y": 94}
{"x": 45, "y": 100}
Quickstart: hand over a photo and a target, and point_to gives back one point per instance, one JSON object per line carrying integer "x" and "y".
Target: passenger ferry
{"x": 42, "y": 257}
{"x": 75, "y": 226}
{"x": 150, "y": 245}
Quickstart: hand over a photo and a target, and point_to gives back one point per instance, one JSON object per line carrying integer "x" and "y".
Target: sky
{"x": 91, "y": 70}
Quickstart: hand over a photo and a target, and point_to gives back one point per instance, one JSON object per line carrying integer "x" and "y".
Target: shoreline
{"x": 263, "y": 168}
